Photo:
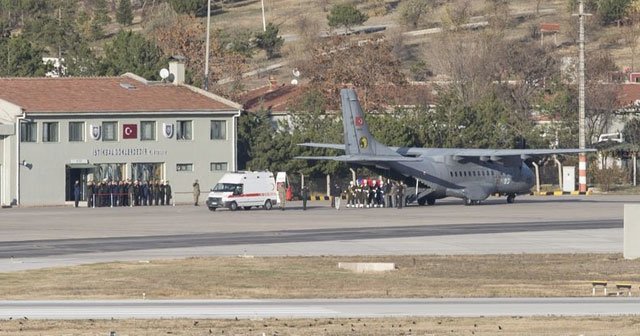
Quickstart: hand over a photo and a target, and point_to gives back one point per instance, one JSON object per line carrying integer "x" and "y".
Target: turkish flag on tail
{"x": 129, "y": 131}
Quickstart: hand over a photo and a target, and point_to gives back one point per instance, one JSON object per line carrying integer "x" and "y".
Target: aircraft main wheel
{"x": 247, "y": 208}
{"x": 431, "y": 201}
{"x": 268, "y": 205}
{"x": 233, "y": 206}
{"x": 511, "y": 198}
{"x": 467, "y": 201}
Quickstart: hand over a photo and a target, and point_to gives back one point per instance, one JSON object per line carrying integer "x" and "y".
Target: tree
{"x": 612, "y": 11}
{"x": 336, "y": 62}
{"x": 631, "y": 132}
{"x": 412, "y": 11}
{"x": 124, "y": 14}
{"x": 131, "y": 52}
{"x": 80, "y": 61}
{"x": 346, "y": 16}
{"x": 19, "y": 58}
{"x": 238, "y": 41}
{"x": 101, "y": 12}
{"x": 190, "y": 7}
{"x": 269, "y": 41}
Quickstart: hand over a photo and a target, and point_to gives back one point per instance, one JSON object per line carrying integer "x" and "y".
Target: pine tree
{"x": 131, "y": 52}
{"x": 269, "y": 41}
{"x": 124, "y": 14}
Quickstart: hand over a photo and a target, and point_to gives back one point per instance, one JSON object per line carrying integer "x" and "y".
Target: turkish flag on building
{"x": 129, "y": 131}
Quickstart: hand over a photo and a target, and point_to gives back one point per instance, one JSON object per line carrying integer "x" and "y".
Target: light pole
{"x": 206, "y": 56}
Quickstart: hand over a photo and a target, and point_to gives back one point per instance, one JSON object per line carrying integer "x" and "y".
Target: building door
{"x": 73, "y": 175}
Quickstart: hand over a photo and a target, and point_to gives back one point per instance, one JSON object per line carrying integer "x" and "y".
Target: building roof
{"x": 124, "y": 94}
{"x": 275, "y": 98}
{"x": 283, "y": 98}
{"x": 629, "y": 94}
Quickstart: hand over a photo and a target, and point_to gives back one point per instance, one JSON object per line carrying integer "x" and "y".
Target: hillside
{"x": 299, "y": 19}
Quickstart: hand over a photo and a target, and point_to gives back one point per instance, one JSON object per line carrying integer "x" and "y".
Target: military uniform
{"x": 304, "y": 194}
{"x": 196, "y": 192}
{"x": 167, "y": 193}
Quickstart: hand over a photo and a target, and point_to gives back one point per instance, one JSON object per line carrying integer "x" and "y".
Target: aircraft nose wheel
{"x": 511, "y": 198}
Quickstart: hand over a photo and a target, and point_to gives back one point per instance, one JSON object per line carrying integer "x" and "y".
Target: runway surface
{"x": 32, "y": 238}
{"x": 46, "y": 237}
{"x": 340, "y": 308}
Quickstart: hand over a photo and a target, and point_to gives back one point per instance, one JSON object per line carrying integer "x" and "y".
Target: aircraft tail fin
{"x": 357, "y": 138}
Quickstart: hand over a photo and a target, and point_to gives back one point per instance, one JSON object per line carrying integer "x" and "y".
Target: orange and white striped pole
{"x": 582, "y": 173}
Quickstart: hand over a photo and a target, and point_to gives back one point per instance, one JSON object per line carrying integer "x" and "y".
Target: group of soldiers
{"x": 364, "y": 193}
{"x": 127, "y": 193}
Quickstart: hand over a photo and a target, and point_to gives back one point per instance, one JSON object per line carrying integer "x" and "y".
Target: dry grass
{"x": 318, "y": 277}
{"x": 621, "y": 326}
{"x": 526, "y": 275}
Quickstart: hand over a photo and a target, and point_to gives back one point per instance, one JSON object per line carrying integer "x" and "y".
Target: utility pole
{"x": 264, "y": 19}
{"x": 582, "y": 165}
{"x": 206, "y": 56}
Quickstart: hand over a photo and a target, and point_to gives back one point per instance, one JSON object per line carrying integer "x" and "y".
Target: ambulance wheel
{"x": 233, "y": 206}
{"x": 511, "y": 198}
{"x": 268, "y": 205}
{"x": 212, "y": 208}
{"x": 247, "y": 208}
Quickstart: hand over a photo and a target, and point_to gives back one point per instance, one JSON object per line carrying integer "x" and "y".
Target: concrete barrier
{"x": 631, "y": 231}
{"x": 367, "y": 267}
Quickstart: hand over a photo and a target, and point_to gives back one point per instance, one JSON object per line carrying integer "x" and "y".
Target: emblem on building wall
{"x": 167, "y": 130}
{"x": 96, "y": 132}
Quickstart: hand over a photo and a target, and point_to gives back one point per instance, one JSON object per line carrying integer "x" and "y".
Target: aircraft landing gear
{"x": 511, "y": 198}
{"x": 468, "y": 201}
{"x": 426, "y": 200}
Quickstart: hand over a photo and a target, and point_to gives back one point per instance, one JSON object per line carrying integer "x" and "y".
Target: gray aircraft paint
{"x": 467, "y": 173}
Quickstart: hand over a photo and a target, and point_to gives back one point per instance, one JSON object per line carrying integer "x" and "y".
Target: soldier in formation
{"x": 127, "y": 193}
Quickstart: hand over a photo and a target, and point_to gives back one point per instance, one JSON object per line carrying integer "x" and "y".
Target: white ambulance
{"x": 244, "y": 189}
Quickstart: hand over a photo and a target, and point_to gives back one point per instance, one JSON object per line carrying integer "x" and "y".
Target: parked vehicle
{"x": 244, "y": 189}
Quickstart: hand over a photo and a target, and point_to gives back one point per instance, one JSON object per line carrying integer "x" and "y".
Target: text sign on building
{"x": 129, "y": 131}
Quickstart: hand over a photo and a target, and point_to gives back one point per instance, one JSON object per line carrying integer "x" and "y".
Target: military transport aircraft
{"x": 467, "y": 173}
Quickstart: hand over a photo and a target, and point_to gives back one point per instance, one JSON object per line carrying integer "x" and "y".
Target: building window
{"x": 76, "y": 131}
{"x": 184, "y": 130}
{"x": 218, "y": 130}
{"x": 109, "y": 131}
{"x": 50, "y": 132}
{"x": 147, "y": 130}
{"x": 147, "y": 171}
{"x": 184, "y": 167}
{"x": 218, "y": 166}
{"x": 28, "y": 132}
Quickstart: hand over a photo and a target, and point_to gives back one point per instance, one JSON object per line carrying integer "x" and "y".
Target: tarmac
{"x": 32, "y": 238}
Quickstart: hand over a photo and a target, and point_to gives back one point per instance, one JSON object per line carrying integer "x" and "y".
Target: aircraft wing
{"x": 362, "y": 158}
{"x": 491, "y": 153}
{"x": 322, "y": 145}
